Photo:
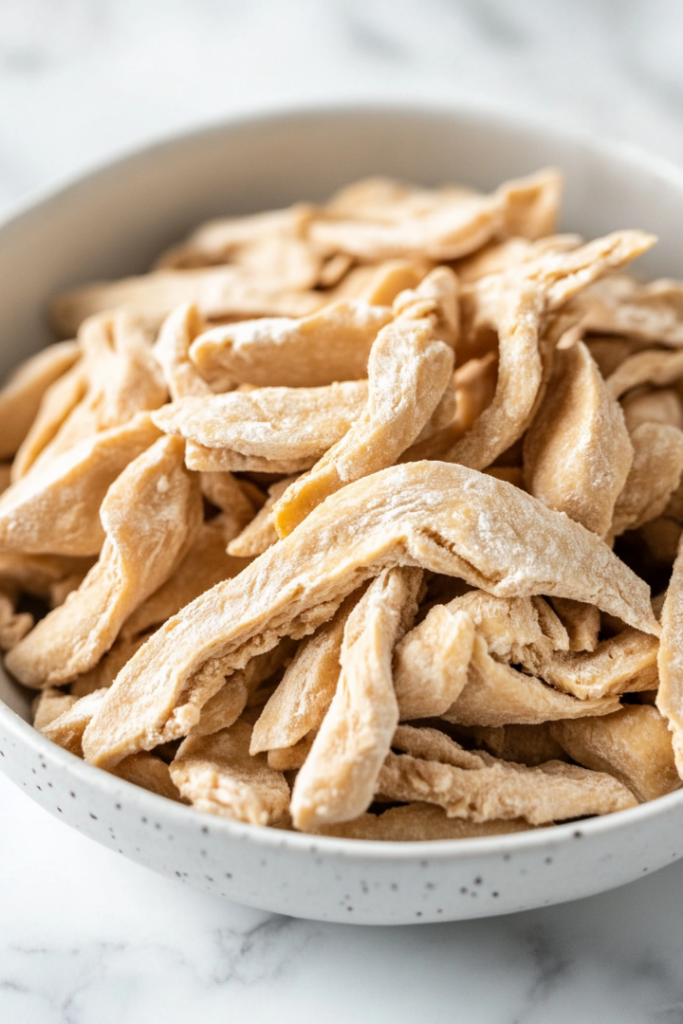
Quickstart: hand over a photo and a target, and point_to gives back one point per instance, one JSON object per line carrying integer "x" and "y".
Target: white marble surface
{"x": 88, "y": 938}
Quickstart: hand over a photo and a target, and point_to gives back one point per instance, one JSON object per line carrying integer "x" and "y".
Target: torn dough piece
{"x": 225, "y": 707}
{"x": 148, "y": 772}
{"x": 205, "y": 564}
{"x": 271, "y": 423}
{"x": 443, "y": 224}
{"x": 654, "y": 476}
{"x": 650, "y": 367}
{"x": 13, "y": 626}
{"x": 225, "y": 460}
{"x": 338, "y": 779}
{"x": 581, "y": 621}
{"x": 68, "y": 728}
{"x": 623, "y": 663}
{"x": 497, "y": 694}
{"x": 517, "y": 630}
{"x": 260, "y": 534}
{"x": 431, "y": 662}
{"x": 443, "y": 517}
{"x": 56, "y": 509}
{"x": 661, "y": 406}
{"x": 218, "y": 292}
{"x": 238, "y": 507}
{"x": 634, "y": 746}
{"x": 149, "y": 516}
{"x": 123, "y": 379}
{"x": 21, "y": 396}
{"x": 39, "y": 574}
{"x": 103, "y": 674}
{"x": 49, "y": 705}
{"x": 478, "y": 787}
{"x": 577, "y": 452}
{"x": 271, "y": 245}
{"x": 172, "y": 350}
{"x": 302, "y": 699}
{"x": 57, "y": 404}
{"x": 623, "y": 306}
{"x": 416, "y": 822}
{"x": 218, "y": 775}
{"x": 332, "y": 344}
{"x": 670, "y": 661}
{"x": 287, "y": 759}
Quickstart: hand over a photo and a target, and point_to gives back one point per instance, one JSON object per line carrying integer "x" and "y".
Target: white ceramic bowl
{"x": 113, "y": 222}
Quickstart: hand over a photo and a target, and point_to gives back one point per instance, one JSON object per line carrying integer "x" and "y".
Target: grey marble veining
{"x": 89, "y": 938}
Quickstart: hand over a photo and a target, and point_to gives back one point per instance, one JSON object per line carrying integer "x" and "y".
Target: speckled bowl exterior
{"x": 114, "y": 222}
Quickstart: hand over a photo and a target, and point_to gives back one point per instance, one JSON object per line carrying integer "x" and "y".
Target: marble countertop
{"x": 89, "y": 938}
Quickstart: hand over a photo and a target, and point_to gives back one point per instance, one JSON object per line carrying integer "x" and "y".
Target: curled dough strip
{"x": 300, "y": 702}
{"x": 634, "y": 746}
{"x": 440, "y": 516}
{"x": 148, "y": 515}
{"x": 431, "y": 661}
{"x": 338, "y": 779}
{"x": 58, "y": 402}
{"x": 516, "y": 305}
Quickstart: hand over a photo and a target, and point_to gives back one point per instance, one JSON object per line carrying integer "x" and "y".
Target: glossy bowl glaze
{"x": 114, "y": 222}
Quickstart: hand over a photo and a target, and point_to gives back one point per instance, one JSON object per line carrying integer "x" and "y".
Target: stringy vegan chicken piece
{"x": 357, "y": 504}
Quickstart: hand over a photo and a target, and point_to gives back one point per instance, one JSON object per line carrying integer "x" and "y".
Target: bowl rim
{"x": 461, "y": 849}
{"x": 492, "y": 117}
{"x": 489, "y": 114}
